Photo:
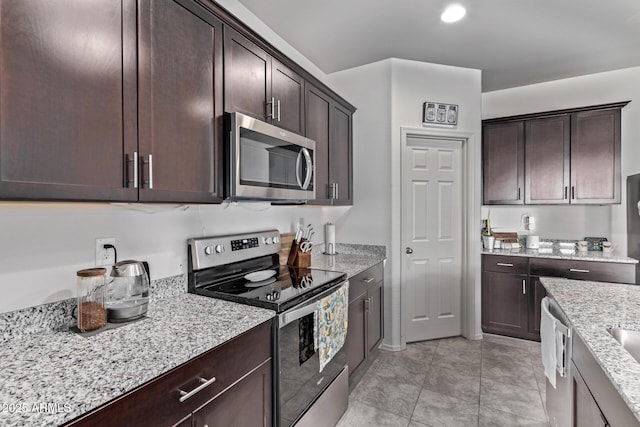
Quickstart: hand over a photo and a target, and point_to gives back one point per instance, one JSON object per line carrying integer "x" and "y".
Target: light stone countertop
{"x": 592, "y": 307}
{"x": 350, "y": 259}
{"x": 79, "y": 374}
{"x": 556, "y": 253}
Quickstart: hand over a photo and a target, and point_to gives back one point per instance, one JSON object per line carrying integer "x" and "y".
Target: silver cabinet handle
{"x": 307, "y": 158}
{"x": 408, "y": 251}
{"x": 135, "y": 170}
{"x": 205, "y": 383}
{"x": 278, "y": 110}
{"x": 150, "y": 171}
{"x": 577, "y": 270}
{"x": 273, "y": 106}
{"x": 368, "y": 280}
{"x": 566, "y": 189}
{"x": 524, "y": 287}
{"x": 367, "y": 304}
{"x": 573, "y": 192}
{"x": 518, "y": 193}
{"x": 504, "y": 264}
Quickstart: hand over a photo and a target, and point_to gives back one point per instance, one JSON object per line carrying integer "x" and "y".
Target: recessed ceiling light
{"x": 453, "y": 13}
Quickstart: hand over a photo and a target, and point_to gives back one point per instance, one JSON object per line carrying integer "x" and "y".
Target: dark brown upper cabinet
{"x": 179, "y": 102}
{"x": 565, "y": 156}
{"x": 595, "y": 156}
{"x": 503, "y": 163}
{"x": 67, "y": 99}
{"x": 329, "y": 124}
{"x": 547, "y": 160}
{"x": 258, "y": 85}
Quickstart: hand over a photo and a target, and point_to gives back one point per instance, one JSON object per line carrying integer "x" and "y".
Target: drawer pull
{"x": 205, "y": 383}
{"x": 577, "y": 270}
{"x": 368, "y": 280}
{"x": 524, "y": 287}
{"x": 504, "y": 264}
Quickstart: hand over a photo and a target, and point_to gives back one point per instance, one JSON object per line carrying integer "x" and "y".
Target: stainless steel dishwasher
{"x": 558, "y": 400}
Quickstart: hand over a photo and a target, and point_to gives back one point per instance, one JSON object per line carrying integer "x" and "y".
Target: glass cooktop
{"x": 289, "y": 286}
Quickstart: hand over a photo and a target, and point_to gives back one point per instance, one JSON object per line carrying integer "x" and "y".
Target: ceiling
{"x": 513, "y": 42}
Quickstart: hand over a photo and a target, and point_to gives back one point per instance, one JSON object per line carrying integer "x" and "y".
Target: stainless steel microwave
{"x": 265, "y": 162}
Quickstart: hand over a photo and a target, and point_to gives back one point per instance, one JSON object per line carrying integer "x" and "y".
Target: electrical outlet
{"x": 105, "y": 256}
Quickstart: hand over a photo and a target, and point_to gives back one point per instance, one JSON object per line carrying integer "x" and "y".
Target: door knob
{"x": 409, "y": 251}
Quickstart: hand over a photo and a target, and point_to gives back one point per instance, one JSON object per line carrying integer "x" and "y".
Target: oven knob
{"x": 269, "y": 241}
{"x": 219, "y": 249}
{"x": 273, "y": 296}
{"x": 275, "y": 239}
{"x": 208, "y": 250}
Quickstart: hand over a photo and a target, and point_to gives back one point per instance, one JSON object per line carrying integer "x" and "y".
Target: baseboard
{"x": 388, "y": 347}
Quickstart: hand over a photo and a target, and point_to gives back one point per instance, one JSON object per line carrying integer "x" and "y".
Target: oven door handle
{"x": 308, "y": 307}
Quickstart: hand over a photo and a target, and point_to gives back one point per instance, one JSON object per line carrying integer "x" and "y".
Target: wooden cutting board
{"x": 285, "y": 241}
{"x": 508, "y": 237}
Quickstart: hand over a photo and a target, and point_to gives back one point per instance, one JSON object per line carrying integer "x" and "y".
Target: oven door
{"x": 300, "y": 383}
{"x": 269, "y": 163}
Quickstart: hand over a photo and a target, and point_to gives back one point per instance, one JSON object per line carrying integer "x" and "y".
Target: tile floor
{"x": 451, "y": 382}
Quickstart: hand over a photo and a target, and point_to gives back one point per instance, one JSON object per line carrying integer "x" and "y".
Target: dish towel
{"x": 548, "y": 342}
{"x": 331, "y": 323}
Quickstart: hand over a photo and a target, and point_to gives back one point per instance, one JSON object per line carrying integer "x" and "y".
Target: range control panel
{"x": 214, "y": 251}
{"x": 239, "y": 244}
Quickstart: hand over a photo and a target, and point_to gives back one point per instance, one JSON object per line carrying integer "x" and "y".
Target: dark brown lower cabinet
{"x": 504, "y": 303}
{"x": 512, "y": 292}
{"x": 366, "y": 321}
{"x": 239, "y": 396}
{"x": 586, "y": 412}
{"x": 231, "y": 408}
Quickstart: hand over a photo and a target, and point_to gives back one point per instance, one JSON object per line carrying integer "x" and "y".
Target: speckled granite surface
{"x": 592, "y": 307}
{"x": 60, "y": 314}
{"x": 556, "y": 252}
{"x": 74, "y": 374}
{"x": 351, "y": 259}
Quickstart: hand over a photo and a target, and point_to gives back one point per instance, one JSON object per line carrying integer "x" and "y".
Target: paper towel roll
{"x": 329, "y": 238}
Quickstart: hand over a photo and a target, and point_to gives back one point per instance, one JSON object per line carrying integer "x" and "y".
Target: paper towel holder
{"x": 329, "y": 239}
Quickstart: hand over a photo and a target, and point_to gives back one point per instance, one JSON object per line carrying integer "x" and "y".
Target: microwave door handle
{"x": 307, "y": 157}
{"x": 298, "y": 167}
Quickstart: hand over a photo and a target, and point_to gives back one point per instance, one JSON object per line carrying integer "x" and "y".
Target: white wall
{"x": 43, "y": 245}
{"x": 389, "y": 95}
{"x": 601, "y": 88}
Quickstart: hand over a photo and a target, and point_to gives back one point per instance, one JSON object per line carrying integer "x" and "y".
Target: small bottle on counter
{"x": 91, "y": 288}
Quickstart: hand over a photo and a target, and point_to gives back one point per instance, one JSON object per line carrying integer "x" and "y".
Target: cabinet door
{"x": 247, "y": 404}
{"x": 180, "y": 103}
{"x": 503, "y": 163}
{"x": 318, "y": 111}
{"x": 537, "y": 292}
{"x": 547, "y": 143}
{"x": 595, "y": 156}
{"x": 67, "y": 99}
{"x": 586, "y": 412}
{"x": 287, "y": 89}
{"x": 504, "y": 303}
{"x": 341, "y": 155}
{"x": 376, "y": 320}
{"x": 247, "y": 76}
{"x": 357, "y": 334}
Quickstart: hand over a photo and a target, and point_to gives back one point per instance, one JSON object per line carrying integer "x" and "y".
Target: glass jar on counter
{"x": 92, "y": 314}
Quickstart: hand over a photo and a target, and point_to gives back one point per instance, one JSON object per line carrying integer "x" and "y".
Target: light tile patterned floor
{"x": 452, "y": 382}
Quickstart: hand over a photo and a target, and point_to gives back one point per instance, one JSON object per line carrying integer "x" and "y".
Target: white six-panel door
{"x": 432, "y": 237}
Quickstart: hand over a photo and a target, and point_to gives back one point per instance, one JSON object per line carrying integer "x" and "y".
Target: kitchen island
{"x": 594, "y": 307}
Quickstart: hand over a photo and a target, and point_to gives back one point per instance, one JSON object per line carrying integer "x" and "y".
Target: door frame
{"x": 470, "y": 289}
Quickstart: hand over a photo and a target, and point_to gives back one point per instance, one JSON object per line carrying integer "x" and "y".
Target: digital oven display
{"x": 238, "y": 245}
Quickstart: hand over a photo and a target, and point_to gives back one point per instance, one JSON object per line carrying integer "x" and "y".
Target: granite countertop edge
{"x": 596, "y": 256}
{"x": 592, "y": 308}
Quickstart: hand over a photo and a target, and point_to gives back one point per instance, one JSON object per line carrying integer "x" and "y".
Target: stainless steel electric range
{"x": 244, "y": 268}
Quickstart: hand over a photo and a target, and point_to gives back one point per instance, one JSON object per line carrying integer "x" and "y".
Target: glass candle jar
{"x": 91, "y": 288}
